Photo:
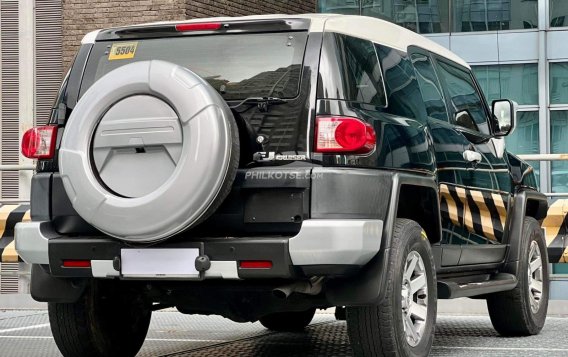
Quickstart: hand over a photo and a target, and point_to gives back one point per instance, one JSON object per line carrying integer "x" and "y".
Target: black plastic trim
{"x": 448, "y": 289}
{"x": 482, "y": 254}
{"x": 44, "y": 287}
{"x": 40, "y": 197}
{"x": 329, "y": 270}
{"x": 235, "y": 249}
{"x": 350, "y": 193}
{"x": 518, "y": 212}
{"x": 239, "y": 249}
{"x": 367, "y": 287}
{"x": 76, "y": 75}
{"x": 228, "y": 27}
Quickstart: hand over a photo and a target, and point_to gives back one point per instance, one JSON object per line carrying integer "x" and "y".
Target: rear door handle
{"x": 472, "y": 156}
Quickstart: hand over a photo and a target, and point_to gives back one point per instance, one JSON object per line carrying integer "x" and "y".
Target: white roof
{"x": 386, "y": 33}
{"x": 369, "y": 28}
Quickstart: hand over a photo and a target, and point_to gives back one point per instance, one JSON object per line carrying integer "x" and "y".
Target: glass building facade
{"x": 517, "y": 49}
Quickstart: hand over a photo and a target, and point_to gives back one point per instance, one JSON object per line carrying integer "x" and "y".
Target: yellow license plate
{"x": 122, "y": 50}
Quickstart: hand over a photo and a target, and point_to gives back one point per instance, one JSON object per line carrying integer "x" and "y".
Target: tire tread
{"x": 87, "y": 328}
{"x": 510, "y": 310}
{"x": 370, "y": 327}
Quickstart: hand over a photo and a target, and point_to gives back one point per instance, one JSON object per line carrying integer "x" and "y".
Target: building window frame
{"x": 548, "y": 8}
{"x": 521, "y": 107}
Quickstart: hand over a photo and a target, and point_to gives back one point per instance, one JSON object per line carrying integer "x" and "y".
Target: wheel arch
{"x": 426, "y": 213}
{"x": 525, "y": 203}
{"x": 368, "y": 286}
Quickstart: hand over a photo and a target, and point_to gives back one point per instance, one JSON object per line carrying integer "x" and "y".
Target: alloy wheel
{"x": 414, "y": 298}
{"x": 535, "y": 277}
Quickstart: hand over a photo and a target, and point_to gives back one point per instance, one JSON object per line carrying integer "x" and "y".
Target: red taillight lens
{"x": 255, "y": 264}
{"x": 344, "y": 135}
{"x": 39, "y": 142}
{"x": 76, "y": 263}
{"x": 203, "y": 26}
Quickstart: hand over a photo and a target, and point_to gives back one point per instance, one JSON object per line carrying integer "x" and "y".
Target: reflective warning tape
{"x": 485, "y": 214}
{"x": 480, "y": 212}
{"x": 556, "y": 230}
{"x": 9, "y": 216}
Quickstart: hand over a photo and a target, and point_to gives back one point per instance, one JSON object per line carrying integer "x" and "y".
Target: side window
{"x": 466, "y": 104}
{"x": 429, "y": 87}
{"x": 403, "y": 93}
{"x": 349, "y": 70}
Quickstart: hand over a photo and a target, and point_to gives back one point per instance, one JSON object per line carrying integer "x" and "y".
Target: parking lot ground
{"x": 27, "y": 333}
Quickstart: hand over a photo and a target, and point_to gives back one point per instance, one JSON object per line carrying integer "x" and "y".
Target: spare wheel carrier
{"x": 150, "y": 150}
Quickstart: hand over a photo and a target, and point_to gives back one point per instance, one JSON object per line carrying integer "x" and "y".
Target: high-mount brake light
{"x": 39, "y": 142}
{"x": 344, "y": 135}
{"x": 203, "y": 26}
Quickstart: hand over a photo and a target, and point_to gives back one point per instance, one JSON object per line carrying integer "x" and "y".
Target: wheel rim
{"x": 535, "y": 277}
{"x": 414, "y": 298}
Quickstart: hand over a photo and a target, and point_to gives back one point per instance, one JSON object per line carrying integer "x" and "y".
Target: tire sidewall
{"x": 416, "y": 241}
{"x": 534, "y": 234}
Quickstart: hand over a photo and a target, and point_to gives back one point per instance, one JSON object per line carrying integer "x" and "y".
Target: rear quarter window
{"x": 404, "y": 96}
{"x": 358, "y": 70}
{"x": 350, "y": 70}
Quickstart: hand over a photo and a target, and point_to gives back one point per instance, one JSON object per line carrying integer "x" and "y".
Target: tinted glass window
{"x": 346, "y": 7}
{"x": 492, "y": 15}
{"x": 349, "y": 70}
{"x": 559, "y": 145}
{"x": 466, "y": 105}
{"x": 404, "y": 97}
{"x": 422, "y": 16}
{"x": 558, "y": 13}
{"x": 237, "y": 66}
{"x": 559, "y": 83}
{"x": 518, "y": 82}
{"x": 524, "y": 140}
{"x": 430, "y": 87}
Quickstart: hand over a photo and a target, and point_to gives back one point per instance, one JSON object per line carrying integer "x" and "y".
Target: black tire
{"x": 288, "y": 321}
{"x": 378, "y": 330}
{"x": 510, "y": 311}
{"x": 100, "y": 324}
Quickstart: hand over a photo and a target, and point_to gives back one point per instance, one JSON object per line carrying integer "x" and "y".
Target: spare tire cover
{"x": 147, "y": 151}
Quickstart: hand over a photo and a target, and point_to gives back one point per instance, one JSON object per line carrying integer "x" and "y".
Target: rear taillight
{"x": 39, "y": 142}
{"x": 203, "y": 26}
{"x": 344, "y": 135}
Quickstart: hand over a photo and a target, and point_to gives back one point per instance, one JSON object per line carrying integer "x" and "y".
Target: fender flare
{"x": 367, "y": 287}
{"x": 526, "y": 202}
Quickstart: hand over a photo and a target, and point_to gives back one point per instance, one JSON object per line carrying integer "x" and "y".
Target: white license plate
{"x": 159, "y": 263}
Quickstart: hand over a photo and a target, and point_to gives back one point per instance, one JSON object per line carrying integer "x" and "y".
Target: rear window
{"x": 238, "y": 66}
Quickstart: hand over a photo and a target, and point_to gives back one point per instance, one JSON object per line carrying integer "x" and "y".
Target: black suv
{"x": 264, "y": 167}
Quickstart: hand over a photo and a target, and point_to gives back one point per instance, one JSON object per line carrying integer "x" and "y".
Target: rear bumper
{"x": 327, "y": 247}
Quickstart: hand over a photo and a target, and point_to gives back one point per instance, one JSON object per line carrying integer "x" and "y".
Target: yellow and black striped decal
{"x": 480, "y": 212}
{"x": 9, "y": 216}
{"x": 556, "y": 230}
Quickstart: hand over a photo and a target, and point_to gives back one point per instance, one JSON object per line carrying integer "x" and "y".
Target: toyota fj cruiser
{"x": 264, "y": 167}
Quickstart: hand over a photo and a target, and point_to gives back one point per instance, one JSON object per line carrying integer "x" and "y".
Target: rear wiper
{"x": 263, "y": 103}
